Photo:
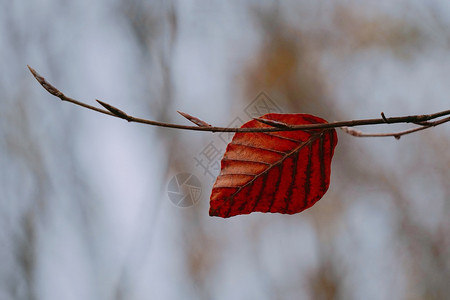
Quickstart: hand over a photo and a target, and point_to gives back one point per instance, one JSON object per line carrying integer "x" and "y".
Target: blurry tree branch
{"x": 421, "y": 120}
{"x": 396, "y": 135}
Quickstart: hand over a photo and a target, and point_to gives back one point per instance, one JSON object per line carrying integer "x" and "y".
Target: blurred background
{"x": 84, "y": 206}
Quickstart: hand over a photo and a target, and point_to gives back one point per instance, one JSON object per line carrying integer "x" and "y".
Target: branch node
{"x": 424, "y": 123}
{"x": 194, "y": 120}
{"x": 351, "y": 131}
{"x": 422, "y": 118}
{"x": 384, "y": 117}
{"x": 273, "y": 123}
{"x": 115, "y": 111}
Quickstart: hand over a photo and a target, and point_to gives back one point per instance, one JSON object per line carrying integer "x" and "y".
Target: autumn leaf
{"x": 279, "y": 172}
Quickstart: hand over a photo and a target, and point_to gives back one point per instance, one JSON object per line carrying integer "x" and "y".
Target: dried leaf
{"x": 283, "y": 172}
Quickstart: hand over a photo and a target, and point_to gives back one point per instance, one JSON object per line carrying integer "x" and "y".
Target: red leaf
{"x": 284, "y": 172}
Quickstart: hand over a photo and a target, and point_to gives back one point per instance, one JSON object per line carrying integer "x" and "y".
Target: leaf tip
{"x": 45, "y": 84}
{"x": 194, "y": 120}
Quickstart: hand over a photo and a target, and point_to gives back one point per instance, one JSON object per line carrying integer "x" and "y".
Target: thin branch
{"x": 396, "y": 135}
{"x": 115, "y": 112}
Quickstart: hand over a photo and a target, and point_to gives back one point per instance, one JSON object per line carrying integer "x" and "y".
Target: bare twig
{"x": 397, "y": 135}
{"x": 276, "y": 126}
